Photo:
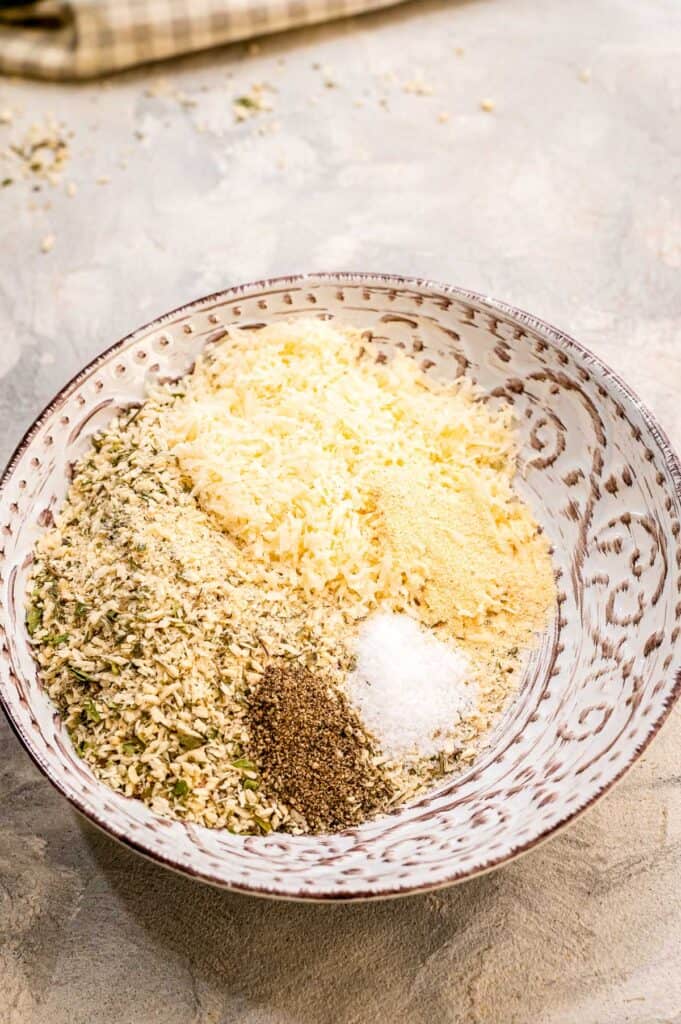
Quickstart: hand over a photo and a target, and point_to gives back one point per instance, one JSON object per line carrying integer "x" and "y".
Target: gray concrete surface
{"x": 563, "y": 200}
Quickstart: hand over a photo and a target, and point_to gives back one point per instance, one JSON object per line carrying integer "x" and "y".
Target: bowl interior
{"x": 600, "y": 478}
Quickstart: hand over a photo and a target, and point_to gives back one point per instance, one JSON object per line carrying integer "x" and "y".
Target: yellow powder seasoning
{"x": 484, "y": 567}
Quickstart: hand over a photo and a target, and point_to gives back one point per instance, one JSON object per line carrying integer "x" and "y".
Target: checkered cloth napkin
{"x": 67, "y": 39}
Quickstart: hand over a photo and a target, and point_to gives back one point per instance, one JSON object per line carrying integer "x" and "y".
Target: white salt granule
{"x": 408, "y": 685}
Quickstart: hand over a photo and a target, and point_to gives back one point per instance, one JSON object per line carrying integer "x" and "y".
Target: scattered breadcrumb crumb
{"x": 71, "y": 189}
{"x": 270, "y": 128}
{"x": 253, "y": 102}
{"x": 329, "y": 78}
{"x": 443, "y": 118}
{"x": 327, "y": 73}
{"x": 585, "y": 75}
{"x": 459, "y": 51}
{"x": 159, "y": 87}
{"x": 162, "y": 88}
{"x": 43, "y": 151}
{"x": 103, "y": 180}
{"x": 417, "y": 87}
{"x": 487, "y": 105}
{"x": 6, "y": 116}
{"x": 47, "y": 243}
{"x": 185, "y": 101}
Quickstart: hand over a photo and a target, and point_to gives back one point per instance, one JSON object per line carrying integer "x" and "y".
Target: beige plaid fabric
{"x": 84, "y": 38}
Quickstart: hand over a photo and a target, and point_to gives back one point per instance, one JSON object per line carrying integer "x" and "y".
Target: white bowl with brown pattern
{"x": 601, "y": 478}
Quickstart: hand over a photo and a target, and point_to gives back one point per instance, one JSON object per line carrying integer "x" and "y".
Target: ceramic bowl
{"x": 599, "y": 475}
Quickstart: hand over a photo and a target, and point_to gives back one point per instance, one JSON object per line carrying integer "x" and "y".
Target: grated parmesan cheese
{"x": 295, "y": 438}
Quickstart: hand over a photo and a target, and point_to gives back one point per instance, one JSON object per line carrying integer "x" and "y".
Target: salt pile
{"x": 408, "y": 685}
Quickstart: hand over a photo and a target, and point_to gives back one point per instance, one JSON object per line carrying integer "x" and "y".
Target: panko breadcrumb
{"x": 149, "y": 632}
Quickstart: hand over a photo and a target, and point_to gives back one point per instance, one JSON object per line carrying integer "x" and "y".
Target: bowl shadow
{"x": 396, "y": 959}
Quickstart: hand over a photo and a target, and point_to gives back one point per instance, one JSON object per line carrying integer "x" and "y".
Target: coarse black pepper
{"x": 313, "y": 751}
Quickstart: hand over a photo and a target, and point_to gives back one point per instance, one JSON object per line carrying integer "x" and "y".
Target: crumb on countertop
{"x": 417, "y": 87}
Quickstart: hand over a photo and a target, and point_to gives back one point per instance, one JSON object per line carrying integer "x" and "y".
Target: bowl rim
{"x": 556, "y": 337}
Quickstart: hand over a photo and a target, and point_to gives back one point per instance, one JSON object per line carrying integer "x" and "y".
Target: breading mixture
{"x": 196, "y": 608}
